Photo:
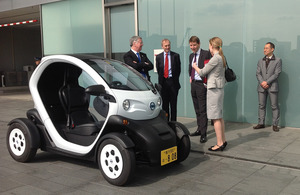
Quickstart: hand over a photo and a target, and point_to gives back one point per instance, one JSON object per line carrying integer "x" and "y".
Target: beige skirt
{"x": 215, "y": 99}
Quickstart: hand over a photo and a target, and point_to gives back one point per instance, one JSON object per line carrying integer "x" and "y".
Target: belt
{"x": 197, "y": 81}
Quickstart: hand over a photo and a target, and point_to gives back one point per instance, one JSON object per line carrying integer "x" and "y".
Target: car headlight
{"x": 159, "y": 101}
{"x": 126, "y": 105}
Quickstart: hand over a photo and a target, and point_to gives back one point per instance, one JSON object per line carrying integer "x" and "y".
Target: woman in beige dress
{"x": 214, "y": 70}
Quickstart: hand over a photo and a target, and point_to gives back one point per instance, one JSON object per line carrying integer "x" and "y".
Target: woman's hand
{"x": 196, "y": 67}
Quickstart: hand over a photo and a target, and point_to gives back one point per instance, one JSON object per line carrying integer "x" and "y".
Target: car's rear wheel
{"x": 116, "y": 163}
{"x": 19, "y": 141}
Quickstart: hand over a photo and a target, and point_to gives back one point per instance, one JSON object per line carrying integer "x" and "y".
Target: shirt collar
{"x": 271, "y": 58}
{"x": 134, "y": 51}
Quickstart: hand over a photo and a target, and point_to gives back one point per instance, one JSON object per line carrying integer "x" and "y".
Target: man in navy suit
{"x": 137, "y": 59}
{"x": 168, "y": 69}
{"x": 198, "y": 87}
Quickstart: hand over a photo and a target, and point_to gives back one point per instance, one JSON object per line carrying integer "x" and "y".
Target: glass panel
{"x": 85, "y": 80}
{"x": 119, "y": 76}
{"x": 122, "y": 28}
{"x": 57, "y": 31}
{"x": 98, "y": 106}
{"x": 68, "y": 29}
{"x": 244, "y": 26}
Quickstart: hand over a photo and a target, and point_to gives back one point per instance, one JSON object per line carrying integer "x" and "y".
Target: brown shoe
{"x": 259, "y": 126}
{"x": 275, "y": 128}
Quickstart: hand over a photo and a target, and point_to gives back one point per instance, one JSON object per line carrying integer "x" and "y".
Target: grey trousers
{"x": 262, "y": 98}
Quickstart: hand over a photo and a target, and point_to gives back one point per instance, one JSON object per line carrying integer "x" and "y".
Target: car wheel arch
{"x": 123, "y": 139}
{"x": 181, "y": 131}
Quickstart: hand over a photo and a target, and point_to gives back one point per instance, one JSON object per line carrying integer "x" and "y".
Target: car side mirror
{"x": 99, "y": 90}
{"x": 95, "y": 90}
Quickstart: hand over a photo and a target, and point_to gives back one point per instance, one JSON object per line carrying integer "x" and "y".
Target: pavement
{"x": 254, "y": 162}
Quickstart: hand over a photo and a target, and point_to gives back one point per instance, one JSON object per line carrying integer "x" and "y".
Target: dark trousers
{"x": 169, "y": 95}
{"x": 198, "y": 92}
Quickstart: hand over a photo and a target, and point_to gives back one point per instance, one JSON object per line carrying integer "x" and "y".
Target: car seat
{"x": 76, "y": 103}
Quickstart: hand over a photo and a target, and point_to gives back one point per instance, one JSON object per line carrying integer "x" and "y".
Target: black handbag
{"x": 229, "y": 74}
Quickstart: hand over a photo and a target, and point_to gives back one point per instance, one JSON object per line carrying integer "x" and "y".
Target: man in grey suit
{"x": 267, "y": 73}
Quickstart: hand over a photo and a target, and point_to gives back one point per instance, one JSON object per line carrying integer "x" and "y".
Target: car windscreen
{"x": 118, "y": 75}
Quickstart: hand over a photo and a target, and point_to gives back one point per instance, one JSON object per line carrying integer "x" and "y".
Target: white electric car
{"x": 97, "y": 109}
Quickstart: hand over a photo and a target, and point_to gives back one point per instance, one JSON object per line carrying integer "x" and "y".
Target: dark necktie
{"x": 267, "y": 62}
{"x": 142, "y": 72}
{"x": 193, "y": 69}
{"x": 166, "y": 71}
{"x": 138, "y": 55}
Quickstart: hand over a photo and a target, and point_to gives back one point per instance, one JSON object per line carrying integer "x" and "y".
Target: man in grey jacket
{"x": 267, "y": 73}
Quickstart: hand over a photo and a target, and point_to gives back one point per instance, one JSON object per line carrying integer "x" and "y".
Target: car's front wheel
{"x": 19, "y": 142}
{"x": 183, "y": 140}
{"x": 183, "y": 147}
{"x": 116, "y": 163}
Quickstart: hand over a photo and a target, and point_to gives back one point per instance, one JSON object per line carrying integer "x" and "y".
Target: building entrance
{"x": 20, "y": 38}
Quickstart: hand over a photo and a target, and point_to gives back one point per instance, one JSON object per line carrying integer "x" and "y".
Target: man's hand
{"x": 264, "y": 85}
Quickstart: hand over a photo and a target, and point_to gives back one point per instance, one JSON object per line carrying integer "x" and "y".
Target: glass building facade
{"x": 75, "y": 26}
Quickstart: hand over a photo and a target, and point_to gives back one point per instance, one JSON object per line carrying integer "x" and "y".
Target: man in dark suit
{"x": 168, "y": 69}
{"x": 267, "y": 73}
{"x": 198, "y": 87}
{"x": 137, "y": 59}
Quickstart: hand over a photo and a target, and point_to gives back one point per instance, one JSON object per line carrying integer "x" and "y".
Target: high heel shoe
{"x": 225, "y": 144}
{"x": 220, "y": 148}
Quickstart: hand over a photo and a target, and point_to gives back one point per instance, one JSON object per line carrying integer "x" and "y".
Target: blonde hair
{"x": 217, "y": 44}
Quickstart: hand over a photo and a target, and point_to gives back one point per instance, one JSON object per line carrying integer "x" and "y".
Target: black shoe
{"x": 220, "y": 148}
{"x": 203, "y": 139}
{"x": 259, "y": 126}
{"x": 275, "y": 128}
{"x": 225, "y": 144}
{"x": 196, "y": 133}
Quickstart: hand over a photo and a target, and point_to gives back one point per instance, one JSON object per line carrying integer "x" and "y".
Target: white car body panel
{"x": 139, "y": 104}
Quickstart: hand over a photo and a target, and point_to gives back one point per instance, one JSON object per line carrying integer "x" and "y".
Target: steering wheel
{"x": 116, "y": 83}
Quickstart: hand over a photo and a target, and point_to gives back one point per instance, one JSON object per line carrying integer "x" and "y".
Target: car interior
{"x": 67, "y": 103}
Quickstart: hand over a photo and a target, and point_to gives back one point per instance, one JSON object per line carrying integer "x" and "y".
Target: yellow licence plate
{"x": 168, "y": 155}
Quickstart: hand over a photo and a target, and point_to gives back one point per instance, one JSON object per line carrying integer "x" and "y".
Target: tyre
{"x": 183, "y": 148}
{"x": 116, "y": 163}
{"x": 19, "y": 142}
{"x": 183, "y": 140}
